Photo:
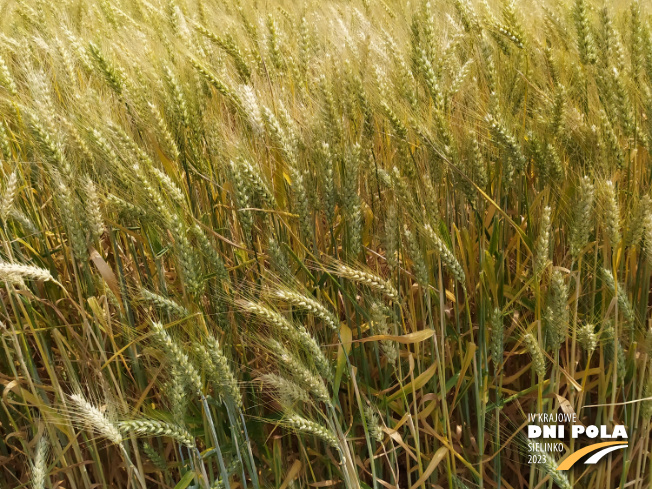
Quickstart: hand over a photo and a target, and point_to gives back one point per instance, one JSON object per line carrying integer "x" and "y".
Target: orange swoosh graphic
{"x": 568, "y": 463}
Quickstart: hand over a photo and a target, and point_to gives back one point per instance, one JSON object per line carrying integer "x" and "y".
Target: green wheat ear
{"x": 582, "y": 217}
{"x": 153, "y": 427}
{"x": 289, "y": 392}
{"x": 8, "y": 196}
{"x": 557, "y": 314}
{"x": 418, "y": 263}
{"x": 542, "y": 246}
{"x": 624, "y": 305}
{"x": 302, "y": 205}
{"x": 610, "y": 212}
{"x": 587, "y": 338}
{"x": 446, "y": 256}
{"x": 538, "y": 358}
{"x": 366, "y": 278}
{"x": 6, "y": 79}
{"x": 309, "y": 427}
{"x": 296, "y": 369}
{"x": 309, "y": 304}
{"x": 156, "y": 458}
{"x": 39, "y": 464}
{"x": 163, "y": 303}
{"x": 389, "y": 348}
{"x": 178, "y": 357}
{"x": 549, "y": 467}
{"x": 497, "y": 336}
{"x": 219, "y": 370}
{"x": 613, "y": 350}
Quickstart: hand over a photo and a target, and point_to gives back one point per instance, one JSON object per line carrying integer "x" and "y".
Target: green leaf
{"x": 185, "y": 481}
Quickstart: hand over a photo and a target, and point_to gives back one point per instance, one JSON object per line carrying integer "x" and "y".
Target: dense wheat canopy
{"x": 325, "y": 244}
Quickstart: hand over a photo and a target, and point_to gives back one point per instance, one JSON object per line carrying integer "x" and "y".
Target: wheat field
{"x": 348, "y": 244}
